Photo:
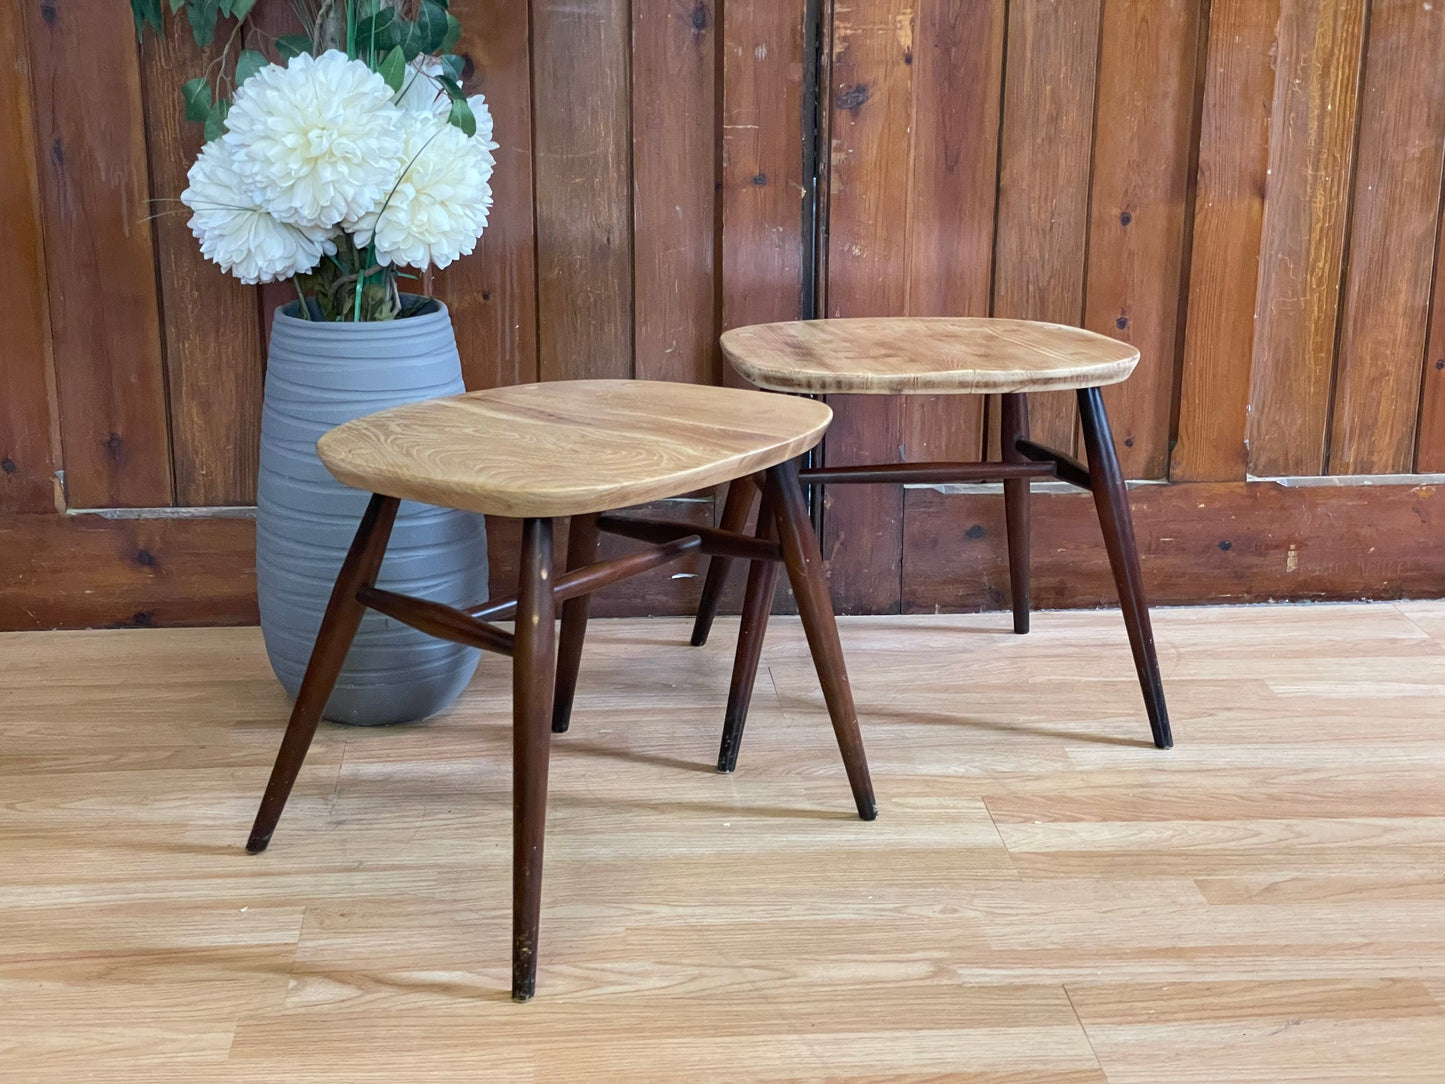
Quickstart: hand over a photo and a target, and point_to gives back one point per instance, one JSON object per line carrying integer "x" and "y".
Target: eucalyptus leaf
{"x": 241, "y": 8}
{"x": 216, "y": 119}
{"x": 146, "y": 12}
{"x": 426, "y": 33}
{"x": 197, "y": 95}
{"x": 453, "y": 88}
{"x": 225, "y": 7}
{"x": 176, "y": 5}
{"x": 289, "y": 45}
{"x": 379, "y": 29}
{"x": 248, "y": 64}
{"x": 461, "y": 116}
{"x": 202, "y": 15}
{"x": 453, "y": 34}
{"x": 454, "y": 65}
{"x": 393, "y": 69}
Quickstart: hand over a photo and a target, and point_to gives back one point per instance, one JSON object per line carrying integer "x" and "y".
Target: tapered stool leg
{"x": 805, "y": 571}
{"x": 1111, "y": 498}
{"x": 582, "y": 547}
{"x": 333, "y": 640}
{"x": 757, "y": 605}
{"x": 533, "y": 662}
{"x": 1015, "y": 427}
{"x": 736, "y": 507}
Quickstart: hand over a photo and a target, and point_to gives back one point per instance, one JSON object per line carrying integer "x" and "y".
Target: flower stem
{"x": 305, "y": 309}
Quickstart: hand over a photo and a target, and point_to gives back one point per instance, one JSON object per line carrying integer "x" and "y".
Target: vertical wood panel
{"x": 1144, "y": 133}
{"x": 1047, "y": 143}
{"x": 674, "y": 163}
{"x": 212, "y": 343}
{"x": 27, "y": 454}
{"x": 583, "y": 182}
{"x": 99, "y": 260}
{"x": 871, "y": 99}
{"x": 1228, "y": 233}
{"x": 952, "y": 198}
{"x": 1392, "y": 240}
{"x": 1430, "y": 441}
{"x": 763, "y": 185}
{"x": 492, "y": 294}
{"x": 1306, "y": 213}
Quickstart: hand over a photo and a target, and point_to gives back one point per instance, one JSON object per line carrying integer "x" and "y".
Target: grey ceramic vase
{"x": 318, "y": 375}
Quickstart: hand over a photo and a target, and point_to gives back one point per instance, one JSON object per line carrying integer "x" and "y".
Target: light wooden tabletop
{"x": 925, "y": 355}
{"x": 570, "y": 447}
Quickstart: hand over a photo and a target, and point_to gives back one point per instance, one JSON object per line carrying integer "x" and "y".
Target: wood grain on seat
{"x": 925, "y": 355}
{"x": 570, "y": 447}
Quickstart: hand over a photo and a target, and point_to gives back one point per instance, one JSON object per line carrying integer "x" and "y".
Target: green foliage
{"x": 461, "y": 116}
{"x": 384, "y": 28}
{"x": 248, "y": 64}
{"x": 146, "y": 12}
{"x": 197, "y": 95}
{"x": 289, "y": 45}
{"x": 393, "y": 69}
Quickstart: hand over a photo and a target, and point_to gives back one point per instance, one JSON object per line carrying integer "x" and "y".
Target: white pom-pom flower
{"x": 318, "y": 143}
{"x": 420, "y": 91}
{"x": 438, "y": 208}
{"x": 478, "y": 104}
{"x": 237, "y": 232}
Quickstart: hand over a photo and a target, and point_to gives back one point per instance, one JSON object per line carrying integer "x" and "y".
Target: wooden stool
{"x": 947, "y": 356}
{"x": 577, "y": 448}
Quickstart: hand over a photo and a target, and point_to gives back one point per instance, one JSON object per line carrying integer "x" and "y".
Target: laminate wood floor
{"x": 1044, "y": 897}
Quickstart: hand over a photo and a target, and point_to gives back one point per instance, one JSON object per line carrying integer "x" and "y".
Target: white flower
{"x": 439, "y": 206}
{"x": 318, "y": 142}
{"x": 237, "y": 232}
{"x": 478, "y": 103}
{"x": 420, "y": 91}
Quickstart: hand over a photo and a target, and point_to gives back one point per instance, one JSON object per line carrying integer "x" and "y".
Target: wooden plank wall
{"x": 1248, "y": 190}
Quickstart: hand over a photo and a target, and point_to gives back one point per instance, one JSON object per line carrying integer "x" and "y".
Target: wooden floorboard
{"x": 1044, "y": 897}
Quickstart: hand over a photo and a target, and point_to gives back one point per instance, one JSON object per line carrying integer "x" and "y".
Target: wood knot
{"x": 975, "y": 532}
{"x": 853, "y": 98}
{"x": 8, "y": 465}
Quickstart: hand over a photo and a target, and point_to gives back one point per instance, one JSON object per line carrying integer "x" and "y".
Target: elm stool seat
{"x": 577, "y": 449}
{"x": 948, "y": 356}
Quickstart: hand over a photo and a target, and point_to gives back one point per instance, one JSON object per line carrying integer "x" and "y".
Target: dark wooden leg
{"x": 582, "y": 546}
{"x": 532, "y": 674}
{"x": 736, "y": 507}
{"x": 805, "y": 571}
{"x": 333, "y": 640}
{"x": 1111, "y": 498}
{"x": 1015, "y": 427}
{"x": 757, "y": 605}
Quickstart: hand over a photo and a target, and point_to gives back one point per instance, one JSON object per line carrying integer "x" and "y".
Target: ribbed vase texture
{"x": 320, "y": 374}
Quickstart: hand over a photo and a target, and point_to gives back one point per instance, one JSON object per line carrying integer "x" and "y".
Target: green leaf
{"x": 146, "y": 12}
{"x": 216, "y": 119}
{"x": 197, "y": 95}
{"x": 454, "y": 65}
{"x": 289, "y": 45}
{"x": 241, "y": 8}
{"x": 248, "y": 64}
{"x": 453, "y": 34}
{"x": 202, "y": 15}
{"x": 453, "y": 88}
{"x": 379, "y": 27}
{"x": 461, "y": 116}
{"x": 393, "y": 69}
{"x": 176, "y": 5}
